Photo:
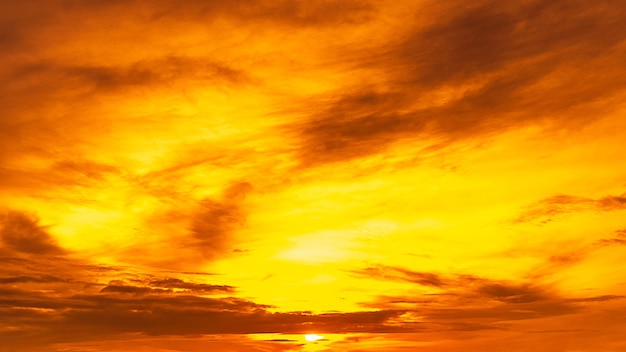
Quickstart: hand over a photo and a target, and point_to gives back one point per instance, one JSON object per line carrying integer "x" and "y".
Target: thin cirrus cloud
{"x": 107, "y": 79}
{"x": 545, "y": 210}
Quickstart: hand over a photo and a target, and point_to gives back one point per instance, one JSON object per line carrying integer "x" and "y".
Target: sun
{"x": 313, "y": 337}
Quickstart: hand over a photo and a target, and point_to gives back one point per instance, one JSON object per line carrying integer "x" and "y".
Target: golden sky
{"x": 223, "y": 176}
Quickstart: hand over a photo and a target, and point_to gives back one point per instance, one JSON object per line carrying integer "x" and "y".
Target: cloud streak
{"x": 471, "y": 71}
{"x": 547, "y": 209}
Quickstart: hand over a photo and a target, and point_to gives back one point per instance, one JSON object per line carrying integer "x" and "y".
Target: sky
{"x": 277, "y": 175}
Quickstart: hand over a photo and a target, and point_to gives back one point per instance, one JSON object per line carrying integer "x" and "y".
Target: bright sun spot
{"x": 313, "y": 337}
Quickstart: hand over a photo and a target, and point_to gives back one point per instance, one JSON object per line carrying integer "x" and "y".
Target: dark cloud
{"x": 277, "y": 12}
{"x": 18, "y": 22}
{"x": 597, "y": 298}
{"x": 567, "y": 258}
{"x": 456, "y": 285}
{"x": 568, "y": 253}
{"x": 166, "y": 285}
{"x": 109, "y": 79}
{"x": 466, "y": 41}
{"x": 24, "y": 26}
{"x": 612, "y": 242}
{"x": 132, "y": 289}
{"x": 463, "y": 326}
{"x": 54, "y": 94}
{"x": 501, "y": 313}
{"x": 505, "y": 64}
{"x": 22, "y": 233}
{"x": 469, "y": 312}
{"x": 87, "y": 316}
{"x": 213, "y": 226}
{"x": 72, "y": 306}
{"x": 172, "y": 283}
{"x": 618, "y": 240}
{"x": 33, "y": 269}
{"x": 28, "y": 128}
{"x": 560, "y": 331}
{"x": 82, "y": 169}
{"x": 512, "y": 293}
{"x": 29, "y": 279}
{"x": 383, "y": 272}
{"x": 612, "y": 202}
{"x": 143, "y": 304}
{"x": 550, "y": 208}
{"x": 61, "y": 174}
{"x": 475, "y": 303}
{"x": 488, "y": 306}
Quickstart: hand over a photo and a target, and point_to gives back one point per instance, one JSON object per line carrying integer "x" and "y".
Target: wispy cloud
{"x": 473, "y": 70}
{"x": 471, "y": 303}
{"x": 547, "y": 209}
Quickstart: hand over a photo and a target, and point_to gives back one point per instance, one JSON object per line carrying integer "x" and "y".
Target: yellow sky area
{"x": 466, "y": 223}
{"x": 405, "y": 176}
{"x": 453, "y": 213}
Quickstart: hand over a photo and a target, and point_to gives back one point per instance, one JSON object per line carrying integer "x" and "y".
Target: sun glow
{"x": 313, "y": 337}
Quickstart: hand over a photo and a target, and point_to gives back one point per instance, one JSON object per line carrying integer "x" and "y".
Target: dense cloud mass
{"x": 22, "y": 233}
{"x": 244, "y": 175}
{"x": 88, "y": 310}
